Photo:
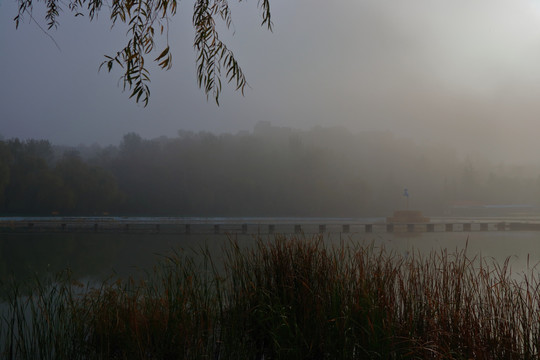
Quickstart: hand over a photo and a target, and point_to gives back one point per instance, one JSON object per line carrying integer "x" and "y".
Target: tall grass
{"x": 286, "y": 298}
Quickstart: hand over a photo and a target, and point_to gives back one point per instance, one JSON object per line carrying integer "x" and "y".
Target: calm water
{"x": 98, "y": 256}
{"x": 90, "y": 255}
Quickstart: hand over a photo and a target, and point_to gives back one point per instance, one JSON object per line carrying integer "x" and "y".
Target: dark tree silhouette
{"x": 147, "y": 18}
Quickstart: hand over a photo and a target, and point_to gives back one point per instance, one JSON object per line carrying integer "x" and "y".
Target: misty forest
{"x": 271, "y": 171}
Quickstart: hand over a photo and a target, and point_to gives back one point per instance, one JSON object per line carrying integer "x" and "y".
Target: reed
{"x": 285, "y": 298}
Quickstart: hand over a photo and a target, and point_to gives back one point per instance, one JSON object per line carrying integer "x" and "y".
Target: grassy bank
{"x": 289, "y": 298}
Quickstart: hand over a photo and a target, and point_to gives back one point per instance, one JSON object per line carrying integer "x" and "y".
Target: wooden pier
{"x": 182, "y": 226}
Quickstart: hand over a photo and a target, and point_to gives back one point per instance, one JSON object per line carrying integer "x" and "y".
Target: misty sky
{"x": 461, "y": 72}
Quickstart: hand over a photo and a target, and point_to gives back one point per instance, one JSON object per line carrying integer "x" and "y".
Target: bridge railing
{"x": 258, "y": 228}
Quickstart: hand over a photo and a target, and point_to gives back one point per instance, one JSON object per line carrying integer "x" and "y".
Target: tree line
{"x": 270, "y": 171}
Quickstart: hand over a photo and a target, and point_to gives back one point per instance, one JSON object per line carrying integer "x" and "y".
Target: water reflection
{"x": 98, "y": 256}
{"x": 522, "y": 247}
{"x": 94, "y": 256}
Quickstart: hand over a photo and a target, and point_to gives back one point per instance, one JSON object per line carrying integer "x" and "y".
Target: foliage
{"x": 37, "y": 184}
{"x": 145, "y": 18}
{"x": 5, "y": 160}
{"x": 285, "y": 298}
{"x": 272, "y": 171}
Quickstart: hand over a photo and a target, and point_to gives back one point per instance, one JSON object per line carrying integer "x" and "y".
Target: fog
{"x": 460, "y": 73}
{"x": 269, "y": 171}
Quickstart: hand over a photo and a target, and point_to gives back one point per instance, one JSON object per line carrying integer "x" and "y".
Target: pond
{"x": 96, "y": 256}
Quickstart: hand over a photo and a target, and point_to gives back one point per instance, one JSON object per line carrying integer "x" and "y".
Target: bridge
{"x": 250, "y": 225}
